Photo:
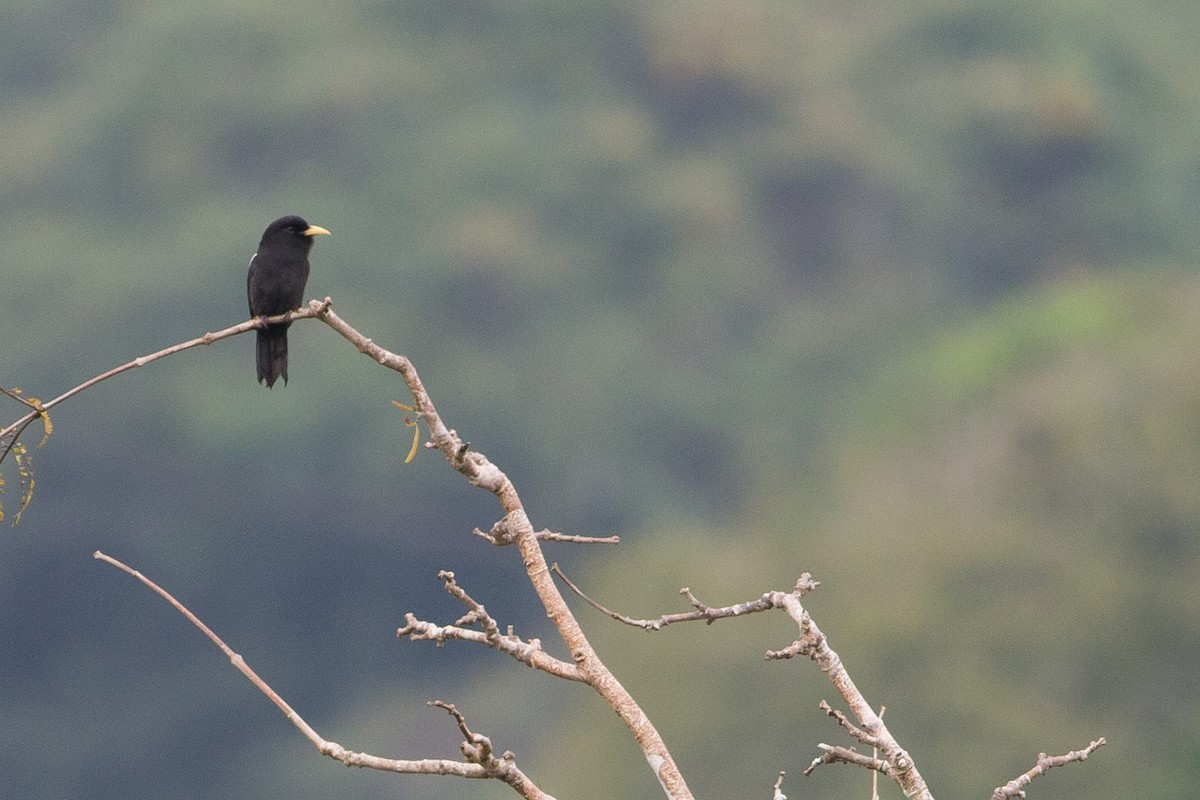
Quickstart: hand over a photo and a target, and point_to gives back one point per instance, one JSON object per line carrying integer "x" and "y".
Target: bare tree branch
{"x": 1016, "y": 787}
{"x": 850, "y": 727}
{"x": 477, "y": 749}
{"x": 477, "y": 615}
{"x": 813, "y": 644}
{"x": 479, "y": 764}
{"x": 479, "y": 471}
{"x": 10, "y": 435}
{"x": 585, "y": 666}
{"x": 896, "y": 763}
{"x": 778, "y": 794}
{"x": 314, "y": 309}
{"x": 875, "y": 773}
{"x": 847, "y": 755}
{"x": 703, "y": 611}
{"x": 529, "y": 652}
{"x": 500, "y": 536}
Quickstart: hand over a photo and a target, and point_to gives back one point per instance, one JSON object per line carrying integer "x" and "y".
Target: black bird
{"x": 275, "y": 285}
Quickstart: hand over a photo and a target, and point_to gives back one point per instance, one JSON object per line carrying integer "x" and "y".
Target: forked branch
{"x": 895, "y": 762}
{"x": 480, "y": 762}
{"x": 479, "y": 471}
{"x": 528, "y": 652}
{"x": 516, "y": 527}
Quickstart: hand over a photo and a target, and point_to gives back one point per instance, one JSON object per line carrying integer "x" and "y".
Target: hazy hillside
{"x": 900, "y": 295}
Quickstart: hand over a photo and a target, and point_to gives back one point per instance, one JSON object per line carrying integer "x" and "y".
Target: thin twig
{"x": 702, "y": 611}
{"x": 875, "y": 773}
{"x": 529, "y": 653}
{"x": 831, "y": 754}
{"x": 778, "y": 794}
{"x": 1016, "y": 787}
{"x": 10, "y": 435}
{"x": 500, "y": 536}
{"x": 314, "y": 309}
{"x": 851, "y": 728}
{"x": 477, "y": 615}
{"x": 574, "y": 538}
{"x": 478, "y": 749}
{"x": 500, "y": 769}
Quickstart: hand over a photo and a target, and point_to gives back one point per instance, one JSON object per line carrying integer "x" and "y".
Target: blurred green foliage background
{"x": 903, "y": 295}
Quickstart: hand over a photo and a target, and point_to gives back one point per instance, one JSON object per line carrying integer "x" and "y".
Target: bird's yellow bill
{"x": 316, "y": 230}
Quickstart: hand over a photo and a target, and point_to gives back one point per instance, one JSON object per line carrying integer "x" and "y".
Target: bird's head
{"x": 294, "y": 228}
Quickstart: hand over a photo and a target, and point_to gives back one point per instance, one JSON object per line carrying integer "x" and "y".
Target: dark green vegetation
{"x": 899, "y": 294}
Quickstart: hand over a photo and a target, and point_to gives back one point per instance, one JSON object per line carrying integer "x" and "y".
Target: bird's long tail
{"x": 272, "y": 354}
